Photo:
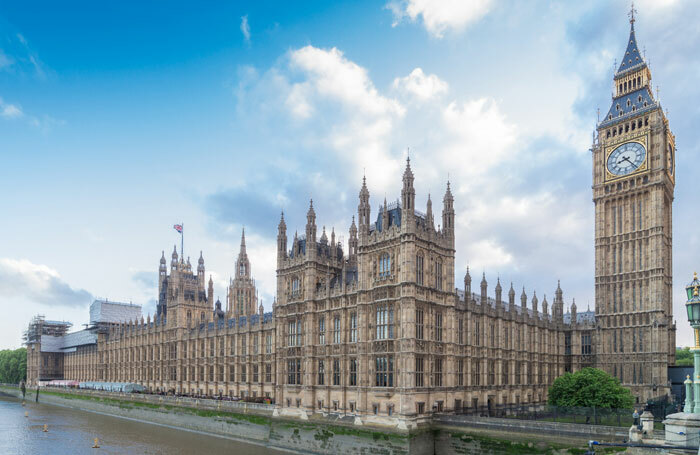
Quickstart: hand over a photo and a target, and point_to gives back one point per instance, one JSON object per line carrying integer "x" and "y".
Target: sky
{"x": 120, "y": 119}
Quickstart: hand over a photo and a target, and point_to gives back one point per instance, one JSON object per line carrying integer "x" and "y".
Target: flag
{"x": 178, "y": 228}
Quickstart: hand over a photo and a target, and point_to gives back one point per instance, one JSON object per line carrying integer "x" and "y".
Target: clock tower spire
{"x": 633, "y": 185}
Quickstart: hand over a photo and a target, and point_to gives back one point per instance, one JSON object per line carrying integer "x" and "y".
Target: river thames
{"x": 73, "y": 432}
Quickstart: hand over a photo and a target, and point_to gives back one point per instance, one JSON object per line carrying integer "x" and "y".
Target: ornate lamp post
{"x": 693, "y": 308}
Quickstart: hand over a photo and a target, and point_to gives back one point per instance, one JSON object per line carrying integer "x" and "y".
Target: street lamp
{"x": 692, "y": 306}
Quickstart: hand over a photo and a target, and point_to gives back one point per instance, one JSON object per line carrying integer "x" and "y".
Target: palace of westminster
{"x": 382, "y": 329}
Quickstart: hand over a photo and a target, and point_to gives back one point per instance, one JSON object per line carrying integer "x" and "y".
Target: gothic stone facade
{"x": 633, "y": 184}
{"x": 383, "y": 331}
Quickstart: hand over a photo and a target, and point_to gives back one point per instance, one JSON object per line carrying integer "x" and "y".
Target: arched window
{"x": 296, "y": 284}
{"x": 189, "y": 317}
{"x": 438, "y": 275}
{"x": 419, "y": 268}
{"x": 241, "y": 269}
{"x": 202, "y": 316}
{"x": 384, "y": 265}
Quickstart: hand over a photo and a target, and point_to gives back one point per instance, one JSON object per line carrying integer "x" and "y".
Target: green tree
{"x": 589, "y": 387}
{"x": 13, "y": 365}
{"x": 684, "y": 357}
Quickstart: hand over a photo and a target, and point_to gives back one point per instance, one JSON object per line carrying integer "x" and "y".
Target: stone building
{"x": 381, "y": 330}
{"x": 633, "y": 184}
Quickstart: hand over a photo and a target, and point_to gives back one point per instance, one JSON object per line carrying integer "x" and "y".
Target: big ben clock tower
{"x": 633, "y": 182}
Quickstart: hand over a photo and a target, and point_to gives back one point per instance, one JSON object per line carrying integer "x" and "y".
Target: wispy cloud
{"x": 10, "y": 111}
{"x": 439, "y": 17}
{"x": 38, "y": 284}
{"x": 245, "y": 28}
{"x": 5, "y": 61}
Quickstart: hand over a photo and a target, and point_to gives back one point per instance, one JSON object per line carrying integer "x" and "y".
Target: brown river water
{"x": 73, "y": 432}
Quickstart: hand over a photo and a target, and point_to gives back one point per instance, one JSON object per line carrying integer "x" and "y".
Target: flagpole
{"x": 182, "y": 241}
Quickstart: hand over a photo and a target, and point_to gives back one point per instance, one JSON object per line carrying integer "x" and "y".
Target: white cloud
{"x": 421, "y": 86}
{"x": 9, "y": 110}
{"x": 38, "y": 283}
{"x": 478, "y": 137}
{"x": 245, "y": 28}
{"x": 440, "y": 16}
{"x": 330, "y": 108}
{"x": 488, "y": 253}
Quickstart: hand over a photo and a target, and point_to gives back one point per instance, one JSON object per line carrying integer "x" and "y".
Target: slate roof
{"x": 640, "y": 101}
{"x": 632, "y": 59}
{"x": 68, "y": 342}
{"x": 582, "y": 317}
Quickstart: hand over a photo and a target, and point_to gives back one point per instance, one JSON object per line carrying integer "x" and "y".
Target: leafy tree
{"x": 13, "y": 365}
{"x": 684, "y": 357}
{"x": 589, "y": 387}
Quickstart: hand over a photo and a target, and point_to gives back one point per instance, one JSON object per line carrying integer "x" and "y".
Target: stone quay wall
{"x": 262, "y": 425}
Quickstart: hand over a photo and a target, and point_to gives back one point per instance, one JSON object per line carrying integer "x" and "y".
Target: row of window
{"x": 202, "y": 373}
{"x": 618, "y": 302}
{"x": 617, "y": 341}
{"x": 523, "y": 373}
{"x": 618, "y": 217}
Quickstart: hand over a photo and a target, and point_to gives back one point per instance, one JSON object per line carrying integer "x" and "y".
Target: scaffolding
{"x": 39, "y": 326}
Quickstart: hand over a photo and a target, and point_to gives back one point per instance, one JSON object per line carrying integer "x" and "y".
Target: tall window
{"x": 438, "y": 326}
{"x": 504, "y": 373}
{"x": 614, "y": 217}
{"x": 294, "y": 333}
{"x": 460, "y": 372}
{"x": 476, "y": 373}
{"x": 293, "y": 371}
{"x": 336, "y": 372}
{"x": 460, "y": 330}
{"x": 384, "y": 371}
{"x": 586, "y": 344}
{"x": 243, "y": 345}
{"x": 255, "y": 343}
{"x": 492, "y": 372}
{"x": 419, "y": 269}
{"x": 268, "y": 372}
{"x": 336, "y": 330}
{"x": 419, "y": 324}
{"x": 322, "y": 330}
{"x": 268, "y": 343}
{"x": 321, "y": 372}
{"x": 384, "y": 265}
{"x": 296, "y": 286}
{"x": 419, "y": 371}
{"x": 385, "y": 322}
{"x": 438, "y": 275}
{"x": 477, "y": 335}
{"x": 437, "y": 372}
{"x": 353, "y": 327}
{"x": 634, "y": 296}
{"x": 353, "y": 372}
{"x": 493, "y": 335}
{"x": 244, "y": 375}
{"x": 506, "y": 337}
{"x": 619, "y": 263}
{"x": 256, "y": 377}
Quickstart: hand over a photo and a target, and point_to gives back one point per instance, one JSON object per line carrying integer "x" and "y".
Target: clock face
{"x": 626, "y": 158}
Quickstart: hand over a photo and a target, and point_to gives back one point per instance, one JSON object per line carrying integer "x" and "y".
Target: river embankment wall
{"x": 261, "y": 424}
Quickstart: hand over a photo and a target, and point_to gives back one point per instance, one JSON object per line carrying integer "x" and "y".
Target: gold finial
{"x": 695, "y": 275}
{"x": 96, "y": 444}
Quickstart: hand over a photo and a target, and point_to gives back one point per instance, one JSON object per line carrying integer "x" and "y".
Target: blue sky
{"x": 118, "y": 120}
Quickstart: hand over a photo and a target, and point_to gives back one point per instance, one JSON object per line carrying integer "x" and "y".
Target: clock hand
{"x": 625, "y": 159}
